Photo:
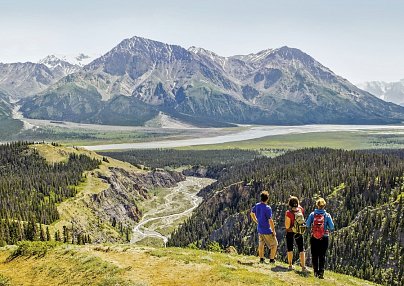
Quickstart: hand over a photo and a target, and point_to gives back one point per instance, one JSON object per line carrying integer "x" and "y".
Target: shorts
{"x": 290, "y": 237}
{"x": 269, "y": 239}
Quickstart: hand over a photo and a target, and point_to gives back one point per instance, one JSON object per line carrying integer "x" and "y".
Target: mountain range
{"x": 140, "y": 79}
{"x": 21, "y": 80}
{"x": 388, "y": 91}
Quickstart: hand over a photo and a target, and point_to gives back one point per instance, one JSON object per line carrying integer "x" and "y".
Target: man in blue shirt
{"x": 261, "y": 214}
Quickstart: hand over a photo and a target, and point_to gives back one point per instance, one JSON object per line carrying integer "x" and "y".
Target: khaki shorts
{"x": 269, "y": 239}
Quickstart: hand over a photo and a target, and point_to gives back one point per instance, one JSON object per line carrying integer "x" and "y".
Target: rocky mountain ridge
{"x": 59, "y": 66}
{"x": 273, "y": 86}
{"x": 26, "y": 79}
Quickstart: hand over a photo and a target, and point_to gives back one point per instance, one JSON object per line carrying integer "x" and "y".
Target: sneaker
{"x": 290, "y": 268}
{"x": 272, "y": 261}
{"x": 304, "y": 269}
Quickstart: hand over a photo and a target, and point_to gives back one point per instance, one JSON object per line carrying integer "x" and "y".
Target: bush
{"x": 4, "y": 281}
{"x": 214, "y": 246}
{"x": 192, "y": 245}
{"x": 32, "y": 248}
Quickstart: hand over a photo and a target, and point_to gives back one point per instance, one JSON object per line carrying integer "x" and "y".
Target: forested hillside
{"x": 364, "y": 195}
{"x": 159, "y": 158}
{"x": 30, "y": 188}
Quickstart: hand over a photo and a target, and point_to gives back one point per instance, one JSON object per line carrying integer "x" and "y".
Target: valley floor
{"x": 140, "y": 266}
{"x": 172, "y": 207}
{"x": 280, "y": 137}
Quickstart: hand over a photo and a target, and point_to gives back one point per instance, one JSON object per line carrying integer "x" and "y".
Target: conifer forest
{"x": 30, "y": 188}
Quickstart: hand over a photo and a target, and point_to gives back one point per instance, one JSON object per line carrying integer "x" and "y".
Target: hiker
{"x": 295, "y": 228}
{"x": 261, "y": 214}
{"x": 321, "y": 225}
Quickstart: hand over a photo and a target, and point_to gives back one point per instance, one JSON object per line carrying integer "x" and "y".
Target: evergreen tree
{"x": 41, "y": 233}
{"x": 48, "y": 236}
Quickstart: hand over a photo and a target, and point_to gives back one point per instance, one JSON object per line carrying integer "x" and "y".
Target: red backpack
{"x": 318, "y": 228}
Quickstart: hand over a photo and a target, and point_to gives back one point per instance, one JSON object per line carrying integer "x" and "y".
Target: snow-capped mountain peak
{"x": 79, "y": 60}
{"x": 59, "y": 65}
{"x": 53, "y": 62}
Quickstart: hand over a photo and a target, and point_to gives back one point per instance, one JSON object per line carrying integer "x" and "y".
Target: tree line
{"x": 160, "y": 158}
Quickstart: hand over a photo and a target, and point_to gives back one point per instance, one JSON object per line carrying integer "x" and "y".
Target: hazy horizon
{"x": 360, "y": 41}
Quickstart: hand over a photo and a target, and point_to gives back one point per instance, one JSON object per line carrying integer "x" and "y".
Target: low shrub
{"x": 4, "y": 281}
{"x": 32, "y": 248}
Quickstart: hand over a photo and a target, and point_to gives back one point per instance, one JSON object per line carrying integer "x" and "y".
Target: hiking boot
{"x": 262, "y": 261}
{"x": 320, "y": 276}
{"x": 290, "y": 268}
{"x": 304, "y": 269}
{"x": 272, "y": 261}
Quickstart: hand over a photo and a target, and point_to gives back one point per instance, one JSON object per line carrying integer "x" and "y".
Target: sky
{"x": 361, "y": 40}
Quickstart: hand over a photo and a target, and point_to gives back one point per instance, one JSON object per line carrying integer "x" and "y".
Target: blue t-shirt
{"x": 263, "y": 212}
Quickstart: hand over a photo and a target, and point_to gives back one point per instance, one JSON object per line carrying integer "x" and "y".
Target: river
{"x": 169, "y": 213}
{"x": 253, "y": 132}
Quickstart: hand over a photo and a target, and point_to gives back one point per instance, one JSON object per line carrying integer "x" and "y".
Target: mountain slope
{"x": 127, "y": 265}
{"x": 25, "y": 79}
{"x": 276, "y": 86}
{"x": 22, "y": 80}
{"x": 73, "y": 103}
{"x": 8, "y": 125}
{"x": 388, "y": 91}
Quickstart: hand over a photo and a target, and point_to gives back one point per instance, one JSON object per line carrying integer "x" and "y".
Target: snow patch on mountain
{"x": 79, "y": 60}
{"x": 388, "y": 91}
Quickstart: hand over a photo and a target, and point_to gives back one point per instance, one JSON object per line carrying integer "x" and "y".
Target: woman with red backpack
{"x": 321, "y": 225}
{"x": 294, "y": 219}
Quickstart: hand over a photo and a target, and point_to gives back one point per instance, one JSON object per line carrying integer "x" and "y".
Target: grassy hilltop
{"x": 126, "y": 265}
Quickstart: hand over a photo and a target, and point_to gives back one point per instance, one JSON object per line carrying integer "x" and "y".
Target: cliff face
{"x": 111, "y": 203}
{"x": 119, "y": 203}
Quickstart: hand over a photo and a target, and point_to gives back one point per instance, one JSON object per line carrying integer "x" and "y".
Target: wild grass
{"x": 107, "y": 265}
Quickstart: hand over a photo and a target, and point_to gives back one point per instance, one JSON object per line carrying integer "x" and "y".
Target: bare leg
{"x": 290, "y": 257}
{"x": 303, "y": 259}
{"x": 273, "y": 251}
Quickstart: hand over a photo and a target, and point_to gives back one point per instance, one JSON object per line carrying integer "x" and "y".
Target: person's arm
{"x": 287, "y": 223}
{"x": 330, "y": 223}
{"x": 254, "y": 217}
{"x": 272, "y": 225}
{"x": 309, "y": 221}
